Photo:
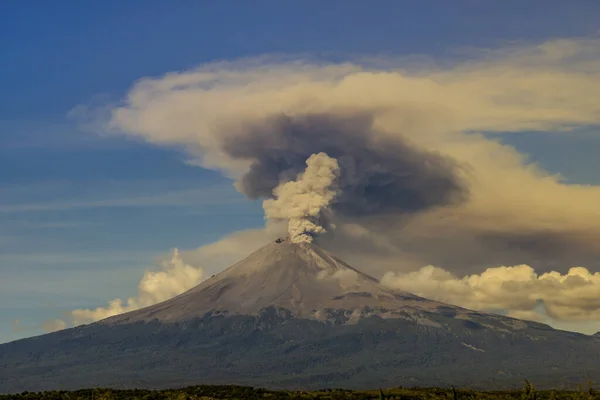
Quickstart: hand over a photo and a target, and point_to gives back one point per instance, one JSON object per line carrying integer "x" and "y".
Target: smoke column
{"x": 305, "y": 201}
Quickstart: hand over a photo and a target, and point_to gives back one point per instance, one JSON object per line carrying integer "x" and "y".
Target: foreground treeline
{"x": 243, "y": 392}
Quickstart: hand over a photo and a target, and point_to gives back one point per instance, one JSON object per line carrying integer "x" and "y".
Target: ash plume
{"x": 376, "y": 175}
{"x": 304, "y": 201}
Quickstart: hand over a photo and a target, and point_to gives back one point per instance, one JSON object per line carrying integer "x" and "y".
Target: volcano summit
{"x": 292, "y": 315}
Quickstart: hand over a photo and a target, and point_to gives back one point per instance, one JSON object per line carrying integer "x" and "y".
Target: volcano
{"x": 297, "y": 279}
{"x": 292, "y": 315}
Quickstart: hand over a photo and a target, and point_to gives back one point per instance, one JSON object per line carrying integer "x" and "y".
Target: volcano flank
{"x": 292, "y": 315}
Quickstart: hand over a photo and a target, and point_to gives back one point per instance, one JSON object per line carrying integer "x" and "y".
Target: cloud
{"x": 174, "y": 278}
{"x": 416, "y": 168}
{"x": 519, "y": 290}
{"x": 548, "y": 86}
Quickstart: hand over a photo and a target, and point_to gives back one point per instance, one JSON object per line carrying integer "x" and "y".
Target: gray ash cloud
{"x": 377, "y": 176}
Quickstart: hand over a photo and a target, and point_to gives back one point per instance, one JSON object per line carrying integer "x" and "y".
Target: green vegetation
{"x": 243, "y": 392}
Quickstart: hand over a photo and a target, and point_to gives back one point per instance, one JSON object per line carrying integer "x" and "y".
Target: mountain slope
{"x": 294, "y": 316}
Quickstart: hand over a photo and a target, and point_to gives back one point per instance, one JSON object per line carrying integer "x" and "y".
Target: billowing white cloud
{"x": 174, "y": 278}
{"x": 519, "y": 290}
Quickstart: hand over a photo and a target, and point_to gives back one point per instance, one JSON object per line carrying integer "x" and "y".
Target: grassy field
{"x": 243, "y": 392}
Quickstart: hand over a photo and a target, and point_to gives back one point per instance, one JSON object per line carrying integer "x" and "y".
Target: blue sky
{"x": 76, "y": 209}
